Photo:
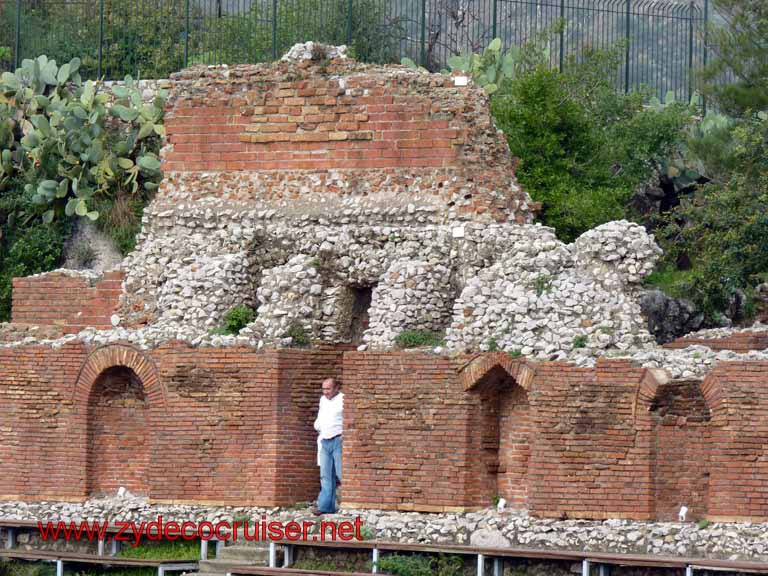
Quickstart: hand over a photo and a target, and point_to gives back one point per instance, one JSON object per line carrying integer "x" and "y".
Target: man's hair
{"x": 335, "y": 383}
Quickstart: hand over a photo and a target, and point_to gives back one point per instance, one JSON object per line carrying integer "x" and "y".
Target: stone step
{"x": 241, "y": 541}
{"x": 223, "y": 566}
{"x": 244, "y": 553}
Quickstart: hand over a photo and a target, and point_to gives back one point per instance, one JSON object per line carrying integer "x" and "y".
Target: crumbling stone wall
{"x": 301, "y": 135}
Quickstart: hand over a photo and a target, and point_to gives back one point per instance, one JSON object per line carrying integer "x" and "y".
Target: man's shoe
{"x": 316, "y": 511}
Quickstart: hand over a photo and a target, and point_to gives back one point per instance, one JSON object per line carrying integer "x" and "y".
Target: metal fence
{"x": 664, "y": 42}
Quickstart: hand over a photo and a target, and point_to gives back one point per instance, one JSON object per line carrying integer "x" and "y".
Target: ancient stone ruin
{"x": 349, "y": 203}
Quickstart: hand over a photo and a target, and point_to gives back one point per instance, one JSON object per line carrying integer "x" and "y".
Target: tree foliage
{"x": 583, "y": 147}
{"x": 741, "y": 49}
{"x": 722, "y": 230}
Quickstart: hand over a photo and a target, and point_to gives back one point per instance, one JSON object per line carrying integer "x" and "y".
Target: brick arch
{"x": 111, "y": 355}
{"x": 648, "y": 388}
{"x": 501, "y": 425}
{"x": 715, "y": 398}
{"x": 472, "y": 373}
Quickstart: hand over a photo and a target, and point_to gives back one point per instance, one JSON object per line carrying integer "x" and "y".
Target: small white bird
{"x": 682, "y": 513}
{"x": 500, "y": 505}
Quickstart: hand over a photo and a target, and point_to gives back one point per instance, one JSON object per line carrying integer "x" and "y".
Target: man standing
{"x": 329, "y": 428}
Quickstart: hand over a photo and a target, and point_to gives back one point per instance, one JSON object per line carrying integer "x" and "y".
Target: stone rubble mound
{"x": 618, "y": 253}
{"x": 545, "y": 299}
{"x": 501, "y": 286}
{"x": 413, "y": 295}
{"x": 313, "y": 51}
{"x": 202, "y": 291}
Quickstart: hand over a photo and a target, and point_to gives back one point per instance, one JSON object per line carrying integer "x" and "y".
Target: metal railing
{"x": 664, "y": 41}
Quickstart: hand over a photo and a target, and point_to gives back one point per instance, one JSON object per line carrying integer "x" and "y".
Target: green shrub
{"x": 542, "y": 284}
{"x": 163, "y": 550}
{"x": 579, "y": 341}
{"x": 417, "y": 565}
{"x": 583, "y": 148}
{"x": 248, "y": 37}
{"x": 238, "y": 318}
{"x": 417, "y": 338}
{"x": 120, "y": 219}
{"x": 323, "y": 564}
{"x": 67, "y": 146}
{"x": 721, "y": 233}
{"x": 64, "y": 154}
{"x": 28, "y": 250}
{"x": 298, "y": 335}
{"x": 367, "y": 532}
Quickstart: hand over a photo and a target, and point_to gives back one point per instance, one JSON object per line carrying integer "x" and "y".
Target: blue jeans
{"x": 330, "y": 470}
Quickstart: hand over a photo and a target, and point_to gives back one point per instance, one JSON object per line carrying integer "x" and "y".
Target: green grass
{"x": 579, "y": 341}
{"x": 417, "y": 338}
{"x": 164, "y": 550}
{"x": 670, "y": 281}
{"x": 316, "y": 564}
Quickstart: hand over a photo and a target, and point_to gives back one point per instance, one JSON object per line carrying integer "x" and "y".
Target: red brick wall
{"x": 386, "y": 127}
{"x": 39, "y": 455}
{"x": 301, "y": 376}
{"x": 408, "y": 433}
{"x": 680, "y": 455}
{"x": 515, "y": 447}
{"x": 739, "y": 342}
{"x": 67, "y": 301}
{"x": 737, "y": 396}
{"x": 222, "y": 425}
{"x": 422, "y": 431}
{"x": 118, "y": 443}
{"x": 589, "y": 455}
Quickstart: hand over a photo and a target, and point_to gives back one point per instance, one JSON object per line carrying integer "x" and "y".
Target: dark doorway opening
{"x": 359, "y": 319}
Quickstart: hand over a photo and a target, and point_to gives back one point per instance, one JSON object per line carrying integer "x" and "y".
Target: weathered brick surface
{"x": 70, "y": 302}
{"x": 337, "y": 128}
{"x": 118, "y": 443}
{"x": 39, "y": 455}
{"x": 590, "y": 451}
{"x": 407, "y": 433}
{"x": 206, "y": 425}
{"x": 737, "y": 397}
{"x": 680, "y": 454}
{"x": 738, "y": 342}
{"x": 422, "y": 432}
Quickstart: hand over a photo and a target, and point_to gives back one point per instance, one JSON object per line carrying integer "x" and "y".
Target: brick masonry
{"x": 737, "y": 342}
{"x": 290, "y": 131}
{"x": 422, "y": 432}
{"x": 69, "y": 302}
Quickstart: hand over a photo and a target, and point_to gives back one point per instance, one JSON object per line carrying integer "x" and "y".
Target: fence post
{"x": 562, "y": 34}
{"x": 274, "y": 29}
{"x": 101, "y": 34}
{"x": 349, "y": 23}
{"x": 627, "y": 29}
{"x": 493, "y": 36}
{"x": 186, "y": 33}
{"x": 17, "y": 40}
{"x": 706, "y": 48}
{"x": 691, "y": 11}
{"x": 423, "y": 32}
